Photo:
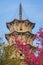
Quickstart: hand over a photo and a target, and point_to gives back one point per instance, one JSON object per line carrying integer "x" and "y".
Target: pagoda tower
{"x": 23, "y": 28}
{"x": 20, "y": 29}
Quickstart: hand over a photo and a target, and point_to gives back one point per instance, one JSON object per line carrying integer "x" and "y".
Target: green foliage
{"x": 11, "y": 61}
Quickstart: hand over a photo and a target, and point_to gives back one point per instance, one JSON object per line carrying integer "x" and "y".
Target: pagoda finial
{"x": 20, "y": 12}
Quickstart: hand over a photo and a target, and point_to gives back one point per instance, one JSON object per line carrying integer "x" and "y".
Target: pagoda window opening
{"x": 20, "y": 28}
{"x": 20, "y": 54}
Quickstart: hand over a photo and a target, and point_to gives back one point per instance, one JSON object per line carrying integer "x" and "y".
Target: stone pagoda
{"x": 21, "y": 29}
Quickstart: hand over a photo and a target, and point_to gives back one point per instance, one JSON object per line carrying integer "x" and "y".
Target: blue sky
{"x": 31, "y": 9}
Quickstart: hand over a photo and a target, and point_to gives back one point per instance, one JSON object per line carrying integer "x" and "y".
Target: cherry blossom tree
{"x": 29, "y": 56}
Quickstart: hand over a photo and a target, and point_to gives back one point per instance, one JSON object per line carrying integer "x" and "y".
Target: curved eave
{"x": 7, "y": 35}
{"x": 33, "y": 26}
{"x": 31, "y": 47}
{"x": 31, "y": 23}
{"x": 12, "y": 22}
{"x": 7, "y": 25}
{"x": 19, "y": 33}
{"x": 23, "y": 32}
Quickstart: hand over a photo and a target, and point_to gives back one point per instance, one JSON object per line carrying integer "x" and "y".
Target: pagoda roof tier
{"x": 30, "y": 47}
{"x": 27, "y": 33}
{"x": 16, "y": 20}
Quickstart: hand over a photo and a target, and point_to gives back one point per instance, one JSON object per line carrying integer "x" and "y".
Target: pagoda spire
{"x": 20, "y": 12}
